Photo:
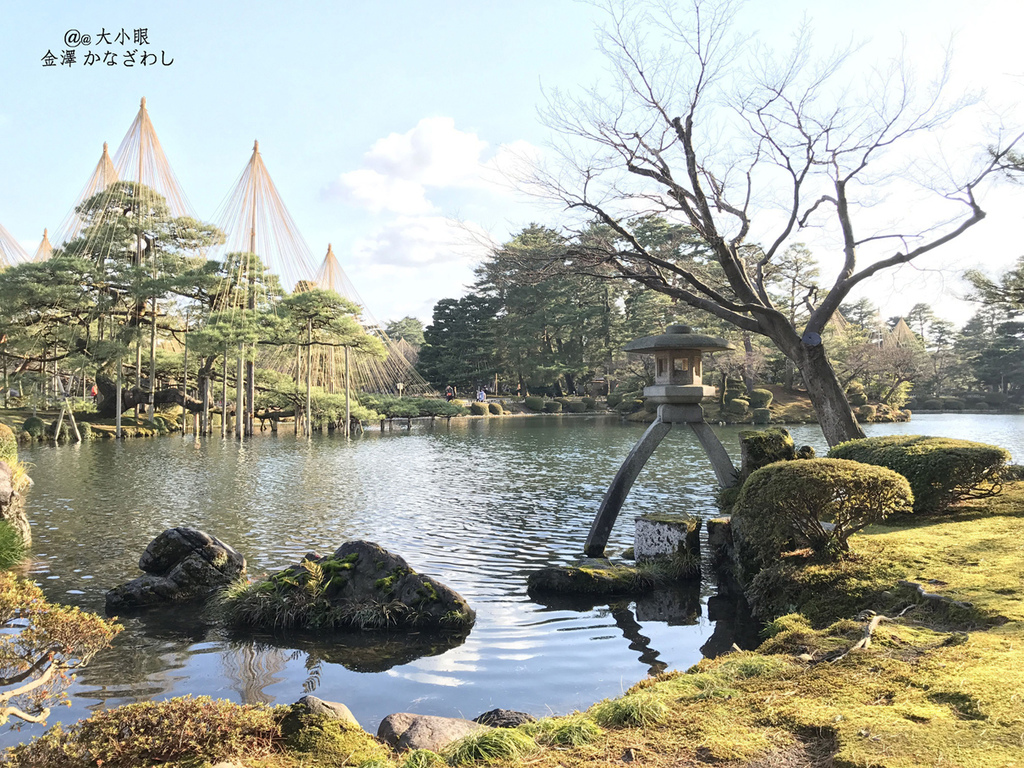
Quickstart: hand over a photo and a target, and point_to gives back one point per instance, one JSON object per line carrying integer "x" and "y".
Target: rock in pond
{"x": 504, "y": 718}
{"x": 404, "y": 730}
{"x": 181, "y": 564}
{"x": 360, "y": 586}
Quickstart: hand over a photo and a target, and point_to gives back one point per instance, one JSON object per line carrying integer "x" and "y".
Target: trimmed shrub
{"x": 953, "y": 404}
{"x": 932, "y": 405}
{"x": 613, "y": 399}
{"x": 631, "y": 405}
{"x": 8, "y": 445}
{"x": 737, "y": 405}
{"x": 760, "y": 448}
{"x": 941, "y": 470}
{"x": 760, "y": 398}
{"x": 855, "y": 394}
{"x": 477, "y": 409}
{"x": 534, "y": 403}
{"x": 866, "y": 413}
{"x": 589, "y": 403}
{"x": 762, "y": 416}
{"x": 65, "y": 430}
{"x": 564, "y": 401}
{"x": 495, "y": 408}
{"x": 575, "y": 406}
{"x": 34, "y": 426}
{"x": 552, "y": 406}
{"x": 783, "y": 505}
{"x": 995, "y": 399}
{"x": 437, "y": 407}
{"x": 981, "y": 405}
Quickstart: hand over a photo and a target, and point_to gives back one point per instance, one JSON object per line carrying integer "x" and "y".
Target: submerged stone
{"x": 181, "y": 564}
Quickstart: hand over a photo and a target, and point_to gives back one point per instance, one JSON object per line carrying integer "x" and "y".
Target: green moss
{"x": 427, "y": 594}
{"x": 8, "y": 445}
{"x": 332, "y": 743}
{"x": 386, "y": 585}
{"x": 616, "y": 579}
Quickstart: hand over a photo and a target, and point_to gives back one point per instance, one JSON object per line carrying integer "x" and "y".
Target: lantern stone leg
{"x": 614, "y": 497}
{"x": 693, "y": 415}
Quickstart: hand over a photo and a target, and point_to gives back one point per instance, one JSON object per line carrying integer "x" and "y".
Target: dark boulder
{"x": 181, "y": 564}
{"x": 504, "y": 718}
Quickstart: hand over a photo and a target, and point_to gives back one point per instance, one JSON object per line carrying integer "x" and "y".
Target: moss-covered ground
{"x": 938, "y": 685}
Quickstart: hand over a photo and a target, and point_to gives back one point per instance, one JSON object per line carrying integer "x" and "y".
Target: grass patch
{"x": 12, "y": 547}
{"x": 634, "y": 710}
{"x": 422, "y": 758}
{"x": 576, "y": 730}
{"x": 495, "y": 745}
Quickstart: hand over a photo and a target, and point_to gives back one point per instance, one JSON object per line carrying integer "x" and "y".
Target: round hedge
{"x": 760, "y": 398}
{"x": 477, "y": 409}
{"x": 762, "y": 416}
{"x": 737, "y": 405}
{"x": 552, "y": 406}
{"x": 589, "y": 403}
{"x": 613, "y": 399}
{"x": 34, "y": 426}
{"x": 576, "y": 406}
{"x": 495, "y": 408}
{"x": 534, "y": 403}
{"x": 941, "y": 470}
{"x": 783, "y": 505}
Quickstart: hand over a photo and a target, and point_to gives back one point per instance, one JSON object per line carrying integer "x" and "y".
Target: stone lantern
{"x": 678, "y": 389}
{"x": 677, "y": 364}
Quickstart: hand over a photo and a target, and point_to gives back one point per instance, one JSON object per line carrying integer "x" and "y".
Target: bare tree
{"x": 748, "y": 149}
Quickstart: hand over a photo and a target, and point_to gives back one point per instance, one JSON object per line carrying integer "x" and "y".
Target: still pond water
{"x": 478, "y": 505}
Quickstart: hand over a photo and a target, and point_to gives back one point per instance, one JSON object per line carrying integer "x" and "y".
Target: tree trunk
{"x": 834, "y": 413}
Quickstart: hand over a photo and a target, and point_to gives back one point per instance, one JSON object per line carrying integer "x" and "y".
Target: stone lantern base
{"x": 678, "y": 394}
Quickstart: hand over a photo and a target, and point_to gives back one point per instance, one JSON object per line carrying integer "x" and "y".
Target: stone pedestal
{"x": 666, "y": 536}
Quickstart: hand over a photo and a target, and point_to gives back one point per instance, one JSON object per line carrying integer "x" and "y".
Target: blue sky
{"x": 379, "y": 121}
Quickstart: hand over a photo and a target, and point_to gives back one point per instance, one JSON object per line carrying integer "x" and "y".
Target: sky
{"x": 383, "y": 123}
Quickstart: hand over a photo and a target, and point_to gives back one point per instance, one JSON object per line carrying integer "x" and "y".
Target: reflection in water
{"x": 358, "y": 651}
{"x": 477, "y": 505}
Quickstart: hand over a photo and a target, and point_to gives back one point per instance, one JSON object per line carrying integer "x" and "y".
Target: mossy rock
{"x": 495, "y": 409}
{"x": 65, "y": 430}
{"x": 329, "y": 741}
{"x": 762, "y": 416}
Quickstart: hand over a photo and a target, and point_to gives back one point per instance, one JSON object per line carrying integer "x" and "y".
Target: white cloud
{"x": 420, "y": 241}
{"x": 434, "y": 153}
{"x": 378, "y": 192}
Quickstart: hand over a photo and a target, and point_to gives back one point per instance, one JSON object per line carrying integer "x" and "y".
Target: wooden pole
{"x": 309, "y": 377}
{"x": 120, "y": 384}
{"x": 152, "y": 347}
{"x": 224, "y": 397}
{"x": 240, "y": 393}
{"x": 184, "y": 380}
{"x": 7, "y": 387}
{"x": 348, "y": 408}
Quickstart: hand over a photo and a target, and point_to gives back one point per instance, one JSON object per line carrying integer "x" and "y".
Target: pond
{"x": 478, "y": 504}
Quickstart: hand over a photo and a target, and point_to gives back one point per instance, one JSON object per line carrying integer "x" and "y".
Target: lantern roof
{"x": 678, "y": 337}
